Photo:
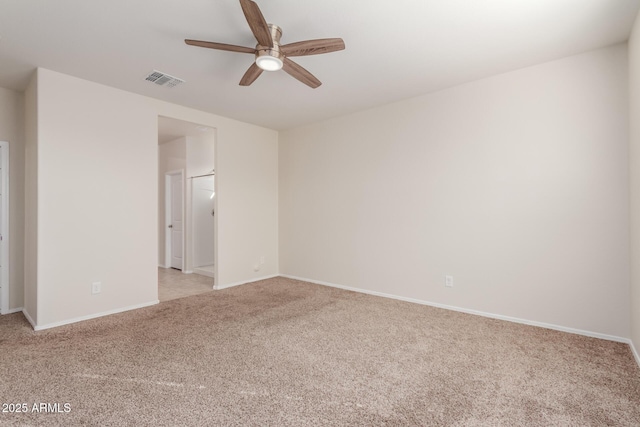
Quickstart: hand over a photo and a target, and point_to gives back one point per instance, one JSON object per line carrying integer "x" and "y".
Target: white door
{"x": 176, "y": 225}
{"x": 202, "y": 214}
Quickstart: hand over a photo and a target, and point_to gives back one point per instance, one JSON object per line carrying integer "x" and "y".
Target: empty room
{"x": 237, "y": 212}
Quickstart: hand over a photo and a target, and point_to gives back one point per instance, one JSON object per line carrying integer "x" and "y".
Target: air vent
{"x": 163, "y": 79}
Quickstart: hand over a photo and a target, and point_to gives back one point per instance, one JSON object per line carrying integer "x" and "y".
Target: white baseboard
{"x": 230, "y": 285}
{"x": 469, "y": 311}
{"x": 182, "y": 271}
{"x": 12, "y": 310}
{"x": 28, "y": 317}
{"x": 635, "y": 352}
{"x": 88, "y": 317}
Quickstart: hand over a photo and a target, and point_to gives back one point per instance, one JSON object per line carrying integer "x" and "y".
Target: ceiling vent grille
{"x": 163, "y": 79}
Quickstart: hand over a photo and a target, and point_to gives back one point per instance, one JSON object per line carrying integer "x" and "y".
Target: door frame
{"x": 4, "y": 228}
{"x": 167, "y": 216}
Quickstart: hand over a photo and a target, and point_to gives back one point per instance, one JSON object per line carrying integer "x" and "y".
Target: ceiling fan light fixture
{"x": 269, "y": 63}
{"x": 270, "y": 55}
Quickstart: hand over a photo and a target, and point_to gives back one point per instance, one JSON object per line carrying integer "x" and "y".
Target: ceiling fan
{"x": 270, "y": 55}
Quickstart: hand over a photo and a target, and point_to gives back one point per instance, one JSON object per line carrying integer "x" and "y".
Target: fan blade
{"x": 312, "y": 47}
{"x": 256, "y": 22}
{"x": 220, "y": 46}
{"x": 251, "y": 75}
{"x": 299, "y": 73}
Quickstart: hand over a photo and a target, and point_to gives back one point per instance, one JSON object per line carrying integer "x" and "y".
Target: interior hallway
{"x": 173, "y": 284}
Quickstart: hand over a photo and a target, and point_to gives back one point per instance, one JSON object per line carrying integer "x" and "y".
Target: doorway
{"x": 186, "y": 200}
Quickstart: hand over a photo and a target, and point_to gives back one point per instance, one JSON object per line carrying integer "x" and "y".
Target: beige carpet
{"x": 281, "y": 352}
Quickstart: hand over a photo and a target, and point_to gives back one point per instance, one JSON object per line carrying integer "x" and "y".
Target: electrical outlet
{"x": 96, "y": 288}
{"x": 448, "y": 281}
{"x": 262, "y": 259}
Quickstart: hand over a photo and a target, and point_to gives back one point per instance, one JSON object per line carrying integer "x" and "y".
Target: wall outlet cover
{"x": 96, "y": 288}
{"x": 448, "y": 281}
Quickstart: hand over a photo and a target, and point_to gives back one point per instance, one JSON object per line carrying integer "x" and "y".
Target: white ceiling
{"x": 395, "y": 49}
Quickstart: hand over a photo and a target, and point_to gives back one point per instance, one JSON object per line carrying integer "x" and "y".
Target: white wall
{"x": 516, "y": 185}
{"x": 97, "y": 199}
{"x": 634, "y": 92}
{"x": 172, "y": 156}
{"x": 97, "y": 176}
{"x": 12, "y": 130}
{"x": 247, "y": 205}
{"x": 200, "y": 154}
{"x": 31, "y": 200}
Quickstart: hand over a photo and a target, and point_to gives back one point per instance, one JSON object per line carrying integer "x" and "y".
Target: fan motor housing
{"x": 276, "y": 33}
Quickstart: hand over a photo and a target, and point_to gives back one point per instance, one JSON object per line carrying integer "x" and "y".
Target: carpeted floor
{"x": 286, "y": 353}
